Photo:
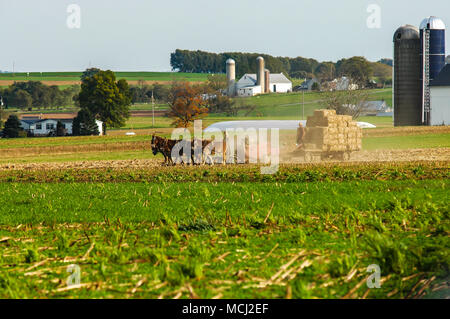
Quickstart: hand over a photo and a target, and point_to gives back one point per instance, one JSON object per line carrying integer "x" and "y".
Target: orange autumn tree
{"x": 187, "y": 104}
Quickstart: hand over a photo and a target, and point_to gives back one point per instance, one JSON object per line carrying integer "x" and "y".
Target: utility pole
{"x": 303, "y": 103}
{"x": 1, "y": 111}
{"x": 153, "y": 111}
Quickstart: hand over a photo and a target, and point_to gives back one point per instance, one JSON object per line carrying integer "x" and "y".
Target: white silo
{"x": 260, "y": 73}
{"x": 231, "y": 77}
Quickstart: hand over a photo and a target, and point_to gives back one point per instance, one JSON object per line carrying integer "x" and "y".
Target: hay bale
{"x": 324, "y": 113}
{"x": 330, "y": 132}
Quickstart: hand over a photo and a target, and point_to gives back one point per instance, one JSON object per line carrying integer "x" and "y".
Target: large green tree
{"x": 22, "y": 99}
{"x": 107, "y": 99}
{"x": 84, "y": 124}
{"x": 357, "y": 68}
{"x": 325, "y": 71}
{"x": 12, "y": 127}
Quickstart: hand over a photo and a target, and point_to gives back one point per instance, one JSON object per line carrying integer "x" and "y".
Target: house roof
{"x": 376, "y": 105}
{"x": 279, "y": 78}
{"x": 34, "y": 121}
{"x": 443, "y": 79}
{"x": 30, "y": 121}
{"x": 251, "y": 77}
{"x": 309, "y": 83}
{"x": 50, "y": 116}
{"x": 274, "y": 78}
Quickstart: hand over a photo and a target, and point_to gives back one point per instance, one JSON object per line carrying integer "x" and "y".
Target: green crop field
{"x": 129, "y": 76}
{"x": 407, "y": 142}
{"x": 306, "y": 232}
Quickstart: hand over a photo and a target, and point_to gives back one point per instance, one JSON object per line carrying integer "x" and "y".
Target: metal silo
{"x": 231, "y": 77}
{"x": 432, "y": 57}
{"x": 260, "y": 73}
{"x": 407, "y": 99}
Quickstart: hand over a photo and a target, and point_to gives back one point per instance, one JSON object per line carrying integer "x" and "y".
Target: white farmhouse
{"x": 253, "y": 84}
{"x": 43, "y": 127}
{"x": 440, "y": 98}
{"x": 278, "y": 83}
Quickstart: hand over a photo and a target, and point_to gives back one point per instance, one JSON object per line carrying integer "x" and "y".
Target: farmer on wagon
{"x": 300, "y": 135}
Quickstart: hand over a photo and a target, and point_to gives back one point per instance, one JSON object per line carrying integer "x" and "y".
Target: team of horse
{"x": 178, "y": 149}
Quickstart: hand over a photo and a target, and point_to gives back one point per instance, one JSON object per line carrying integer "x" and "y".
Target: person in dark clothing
{"x": 300, "y": 134}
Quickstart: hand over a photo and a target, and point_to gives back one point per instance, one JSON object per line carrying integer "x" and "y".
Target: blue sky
{"x": 139, "y": 35}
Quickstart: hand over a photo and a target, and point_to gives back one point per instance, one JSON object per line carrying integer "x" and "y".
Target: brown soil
{"x": 147, "y": 113}
{"x": 403, "y": 131}
{"x": 428, "y": 154}
{"x": 10, "y": 82}
{"x": 22, "y": 152}
{"x": 69, "y": 115}
{"x": 433, "y": 155}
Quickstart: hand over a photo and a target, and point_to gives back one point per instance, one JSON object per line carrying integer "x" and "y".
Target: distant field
{"x": 65, "y": 78}
{"x": 135, "y": 123}
{"x": 272, "y": 106}
{"x": 290, "y": 104}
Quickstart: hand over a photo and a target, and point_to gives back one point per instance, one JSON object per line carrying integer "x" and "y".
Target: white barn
{"x": 440, "y": 98}
{"x": 278, "y": 83}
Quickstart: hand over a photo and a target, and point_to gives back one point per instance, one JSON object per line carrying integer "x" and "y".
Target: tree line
{"x": 358, "y": 68}
{"x": 35, "y": 94}
{"x": 143, "y": 93}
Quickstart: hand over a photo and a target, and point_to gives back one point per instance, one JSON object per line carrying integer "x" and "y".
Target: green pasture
{"x": 224, "y": 240}
{"x": 407, "y": 142}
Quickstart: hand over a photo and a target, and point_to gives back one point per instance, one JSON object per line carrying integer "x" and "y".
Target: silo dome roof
{"x": 433, "y": 22}
{"x": 406, "y": 32}
{"x": 231, "y": 61}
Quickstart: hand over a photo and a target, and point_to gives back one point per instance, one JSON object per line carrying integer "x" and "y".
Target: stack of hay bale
{"x": 329, "y": 132}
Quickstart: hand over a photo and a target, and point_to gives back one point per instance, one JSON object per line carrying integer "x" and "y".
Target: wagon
{"x": 313, "y": 154}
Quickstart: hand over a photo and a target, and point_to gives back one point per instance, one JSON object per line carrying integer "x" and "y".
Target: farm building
{"x": 247, "y": 85}
{"x": 440, "y": 98}
{"x": 378, "y": 108}
{"x": 341, "y": 84}
{"x": 253, "y": 84}
{"x": 308, "y": 85}
{"x": 43, "y": 127}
